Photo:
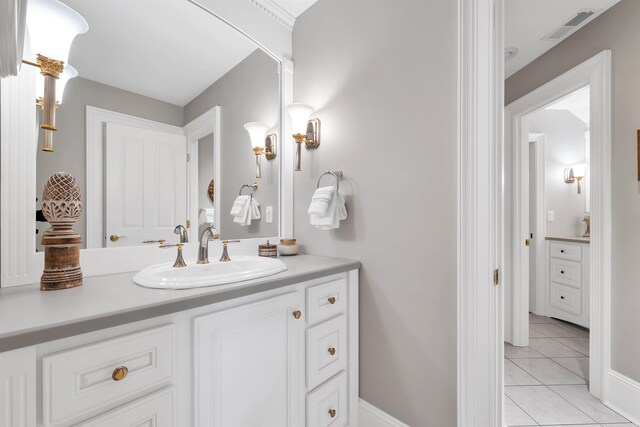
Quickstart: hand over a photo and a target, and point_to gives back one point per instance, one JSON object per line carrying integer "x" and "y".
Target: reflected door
{"x": 145, "y": 185}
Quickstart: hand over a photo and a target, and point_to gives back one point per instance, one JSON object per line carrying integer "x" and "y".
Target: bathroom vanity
{"x": 568, "y": 279}
{"x": 273, "y": 352}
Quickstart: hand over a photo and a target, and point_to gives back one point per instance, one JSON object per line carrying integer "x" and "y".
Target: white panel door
{"x": 249, "y": 369}
{"x": 146, "y": 184}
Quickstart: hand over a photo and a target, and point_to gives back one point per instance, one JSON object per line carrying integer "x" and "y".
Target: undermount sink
{"x": 240, "y": 268}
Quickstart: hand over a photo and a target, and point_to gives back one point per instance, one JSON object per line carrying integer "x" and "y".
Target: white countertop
{"x": 29, "y": 316}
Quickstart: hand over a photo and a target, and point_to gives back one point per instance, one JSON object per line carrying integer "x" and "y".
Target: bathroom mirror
{"x": 152, "y": 126}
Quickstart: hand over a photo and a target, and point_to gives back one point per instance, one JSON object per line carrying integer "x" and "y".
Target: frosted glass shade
{"x": 67, "y": 74}
{"x": 257, "y": 133}
{"x": 300, "y": 114}
{"x": 52, "y": 27}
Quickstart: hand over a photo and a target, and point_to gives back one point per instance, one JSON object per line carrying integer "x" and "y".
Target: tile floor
{"x": 546, "y": 383}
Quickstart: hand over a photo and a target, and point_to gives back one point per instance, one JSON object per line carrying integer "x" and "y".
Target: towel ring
{"x": 337, "y": 174}
{"x": 253, "y": 187}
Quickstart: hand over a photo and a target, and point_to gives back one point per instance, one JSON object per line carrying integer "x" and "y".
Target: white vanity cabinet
{"x": 282, "y": 357}
{"x": 568, "y": 281}
{"x": 248, "y": 364}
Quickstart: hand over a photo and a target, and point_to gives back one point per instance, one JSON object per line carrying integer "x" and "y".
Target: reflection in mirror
{"x": 124, "y": 124}
{"x": 206, "y": 184}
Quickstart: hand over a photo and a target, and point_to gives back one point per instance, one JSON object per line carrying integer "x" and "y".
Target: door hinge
{"x": 188, "y": 157}
{"x": 496, "y": 276}
{"x": 188, "y": 224}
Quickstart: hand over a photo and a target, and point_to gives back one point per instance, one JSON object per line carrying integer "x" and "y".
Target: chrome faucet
{"x": 184, "y": 237}
{"x": 203, "y": 248}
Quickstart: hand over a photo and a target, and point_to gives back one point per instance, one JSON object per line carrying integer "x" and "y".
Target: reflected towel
{"x": 240, "y": 206}
{"x": 250, "y": 210}
{"x": 207, "y": 216}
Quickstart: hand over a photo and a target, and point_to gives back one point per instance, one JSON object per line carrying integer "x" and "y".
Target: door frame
{"x": 203, "y": 125}
{"x": 480, "y": 206}
{"x": 540, "y": 227}
{"x": 595, "y": 72}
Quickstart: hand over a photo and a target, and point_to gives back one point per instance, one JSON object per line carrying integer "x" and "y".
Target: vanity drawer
{"x": 566, "y": 272}
{"x": 155, "y": 410}
{"x": 327, "y": 406}
{"x": 565, "y": 251}
{"x": 97, "y": 377}
{"x": 326, "y": 350}
{"x": 326, "y": 300}
{"x": 566, "y": 299}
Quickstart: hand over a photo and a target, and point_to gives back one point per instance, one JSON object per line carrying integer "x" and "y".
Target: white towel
{"x": 207, "y": 216}
{"x": 336, "y": 212}
{"x": 246, "y": 208}
{"x": 320, "y": 200}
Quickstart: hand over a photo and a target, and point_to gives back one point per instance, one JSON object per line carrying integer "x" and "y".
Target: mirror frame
{"x": 20, "y": 264}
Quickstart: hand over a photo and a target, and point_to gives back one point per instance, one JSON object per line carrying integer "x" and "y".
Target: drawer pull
{"x": 332, "y": 300}
{"x": 561, "y": 271}
{"x": 332, "y": 413}
{"x": 332, "y": 351}
{"x": 561, "y": 251}
{"x": 561, "y": 296}
{"x": 297, "y": 314}
{"x": 120, "y": 373}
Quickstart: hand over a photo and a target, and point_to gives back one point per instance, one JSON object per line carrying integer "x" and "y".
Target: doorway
{"x": 563, "y": 346}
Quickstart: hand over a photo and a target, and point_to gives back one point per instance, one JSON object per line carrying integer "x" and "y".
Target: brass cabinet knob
{"x": 332, "y": 413}
{"x": 120, "y": 373}
{"x": 114, "y": 237}
{"x": 332, "y": 300}
{"x": 332, "y": 351}
{"x": 297, "y": 314}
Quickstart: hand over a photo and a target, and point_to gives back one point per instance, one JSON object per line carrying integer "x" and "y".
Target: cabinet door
{"x": 18, "y": 388}
{"x": 249, "y": 365}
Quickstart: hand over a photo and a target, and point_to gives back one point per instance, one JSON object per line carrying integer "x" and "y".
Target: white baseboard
{"x": 370, "y": 416}
{"x": 624, "y": 396}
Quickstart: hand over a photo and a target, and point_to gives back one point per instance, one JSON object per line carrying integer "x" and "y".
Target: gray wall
{"x": 69, "y": 141}
{"x": 618, "y": 30}
{"x": 383, "y": 77}
{"x": 565, "y": 145}
{"x": 247, "y": 93}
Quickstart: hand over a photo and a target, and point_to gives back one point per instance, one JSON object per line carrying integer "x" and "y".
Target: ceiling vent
{"x": 571, "y": 25}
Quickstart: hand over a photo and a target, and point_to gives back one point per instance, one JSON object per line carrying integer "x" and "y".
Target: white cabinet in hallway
{"x": 568, "y": 280}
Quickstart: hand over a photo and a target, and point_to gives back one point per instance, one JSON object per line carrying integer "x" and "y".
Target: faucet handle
{"x": 179, "y": 258}
{"x": 225, "y": 253}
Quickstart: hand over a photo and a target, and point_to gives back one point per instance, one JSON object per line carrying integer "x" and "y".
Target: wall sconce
{"x": 570, "y": 177}
{"x": 304, "y": 130}
{"x": 52, "y": 27}
{"x": 261, "y": 143}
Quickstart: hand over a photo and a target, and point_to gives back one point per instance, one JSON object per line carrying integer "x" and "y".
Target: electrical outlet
{"x": 269, "y": 214}
{"x": 551, "y": 216}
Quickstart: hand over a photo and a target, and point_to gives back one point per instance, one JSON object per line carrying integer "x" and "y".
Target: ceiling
{"x": 576, "y": 102}
{"x": 528, "y": 22}
{"x": 169, "y": 50}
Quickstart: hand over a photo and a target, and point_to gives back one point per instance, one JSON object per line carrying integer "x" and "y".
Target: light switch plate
{"x": 551, "y": 215}
{"x": 269, "y": 214}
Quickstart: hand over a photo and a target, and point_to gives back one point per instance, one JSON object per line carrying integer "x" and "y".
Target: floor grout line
{"x": 522, "y": 409}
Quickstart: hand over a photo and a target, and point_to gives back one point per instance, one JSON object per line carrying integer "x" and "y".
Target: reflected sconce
{"x": 261, "y": 143}
{"x": 304, "y": 130}
{"x": 570, "y": 177}
{"x": 68, "y": 73}
{"x": 52, "y": 27}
